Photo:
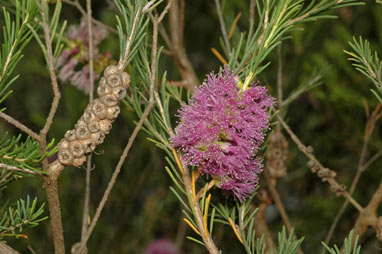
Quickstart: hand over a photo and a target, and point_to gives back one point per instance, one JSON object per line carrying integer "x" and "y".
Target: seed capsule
{"x": 119, "y": 92}
{"x": 112, "y": 113}
{"x": 89, "y": 117}
{"x": 105, "y": 126}
{"x": 99, "y": 109}
{"x": 114, "y": 80}
{"x": 94, "y": 127}
{"x": 70, "y": 135}
{"x": 98, "y": 137}
{"x": 109, "y": 100}
{"x": 77, "y": 162}
{"x": 65, "y": 157}
{"x": 103, "y": 89}
{"x": 79, "y": 123}
{"x": 77, "y": 150}
{"x": 112, "y": 69}
{"x": 126, "y": 79}
{"x": 63, "y": 144}
{"x": 82, "y": 132}
{"x": 88, "y": 146}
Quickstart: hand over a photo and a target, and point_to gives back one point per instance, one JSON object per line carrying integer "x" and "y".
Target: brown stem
{"x": 176, "y": 47}
{"x": 260, "y": 225}
{"x": 51, "y": 192}
{"x": 20, "y": 126}
{"x": 5, "y": 249}
{"x": 325, "y": 174}
{"x": 21, "y": 170}
{"x": 368, "y": 216}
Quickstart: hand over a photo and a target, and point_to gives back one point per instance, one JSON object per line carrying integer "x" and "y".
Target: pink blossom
{"x": 221, "y": 130}
{"x": 161, "y": 246}
{"x": 73, "y": 63}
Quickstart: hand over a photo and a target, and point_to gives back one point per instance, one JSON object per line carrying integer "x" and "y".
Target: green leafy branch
{"x": 21, "y": 155}
{"x": 350, "y": 247}
{"x": 16, "y": 37}
{"x": 367, "y": 62}
{"x": 276, "y": 19}
{"x": 24, "y": 215}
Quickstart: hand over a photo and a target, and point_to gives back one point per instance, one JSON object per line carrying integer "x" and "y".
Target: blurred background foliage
{"x": 330, "y": 118}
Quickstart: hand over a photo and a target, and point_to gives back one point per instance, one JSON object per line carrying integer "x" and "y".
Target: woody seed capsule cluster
{"x": 96, "y": 122}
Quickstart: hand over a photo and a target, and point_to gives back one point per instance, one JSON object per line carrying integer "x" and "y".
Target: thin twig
{"x": 175, "y": 44}
{"x": 222, "y": 26}
{"x": 327, "y": 175}
{"x": 83, "y": 12}
{"x": 252, "y": 7}
{"x": 50, "y": 182}
{"x": 20, "y": 126}
{"x": 21, "y": 170}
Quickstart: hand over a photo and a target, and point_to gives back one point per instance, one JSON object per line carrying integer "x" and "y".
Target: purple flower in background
{"x": 161, "y": 246}
{"x": 221, "y": 130}
{"x": 73, "y": 63}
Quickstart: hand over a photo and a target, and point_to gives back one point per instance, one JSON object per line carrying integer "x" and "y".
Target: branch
{"x": 50, "y": 182}
{"x": 20, "y": 126}
{"x": 21, "y": 170}
{"x": 325, "y": 174}
{"x": 186, "y": 70}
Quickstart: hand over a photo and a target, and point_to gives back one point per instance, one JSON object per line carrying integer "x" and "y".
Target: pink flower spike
{"x": 221, "y": 130}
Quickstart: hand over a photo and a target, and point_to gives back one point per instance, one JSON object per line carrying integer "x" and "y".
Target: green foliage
{"x": 56, "y": 30}
{"x": 16, "y": 37}
{"x": 350, "y": 246}
{"x": 277, "y": 18}
{"x": 368, "y": 63}
{"x": 287, "y": 245}
{"x": 25, "y": 214}
{"x": 25, "y": 154}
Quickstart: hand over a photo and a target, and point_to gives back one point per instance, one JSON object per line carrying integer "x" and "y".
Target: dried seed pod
{"x": 79, "y": 123}
{"x": 112, "y": 69}
{"x": 88, "y": 146}
{"x": 63, "y": 144}
{"x": 112, "y": 113}
{"x": 77, "y": 162}
{"x": 65, "y": 157}
{"x": 70, "y": 135}
{"x": 98, "y": 137}
{"x": 105, "y": 126}
{"x": 126, "y": 79}
{"x": 114, "y": 80}
{"x": 119, "y": 92}
{"x": 89, "y": 117}
{"x": 103, "y": 90}
{"x": 82, "y": 132}
{"x": 98, "y": 108}
{"x": 109, "y": 100}
{"x": 94, "y": 127}
{"x": 76, "y": 149}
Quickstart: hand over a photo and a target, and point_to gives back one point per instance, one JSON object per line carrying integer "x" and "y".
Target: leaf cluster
{"x": 16, "y": 37}
{"x": 25, "y": 214}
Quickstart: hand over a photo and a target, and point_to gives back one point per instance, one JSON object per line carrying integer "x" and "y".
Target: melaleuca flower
{"x": 221, "y": 130}
{"x": 73, "y": 63}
